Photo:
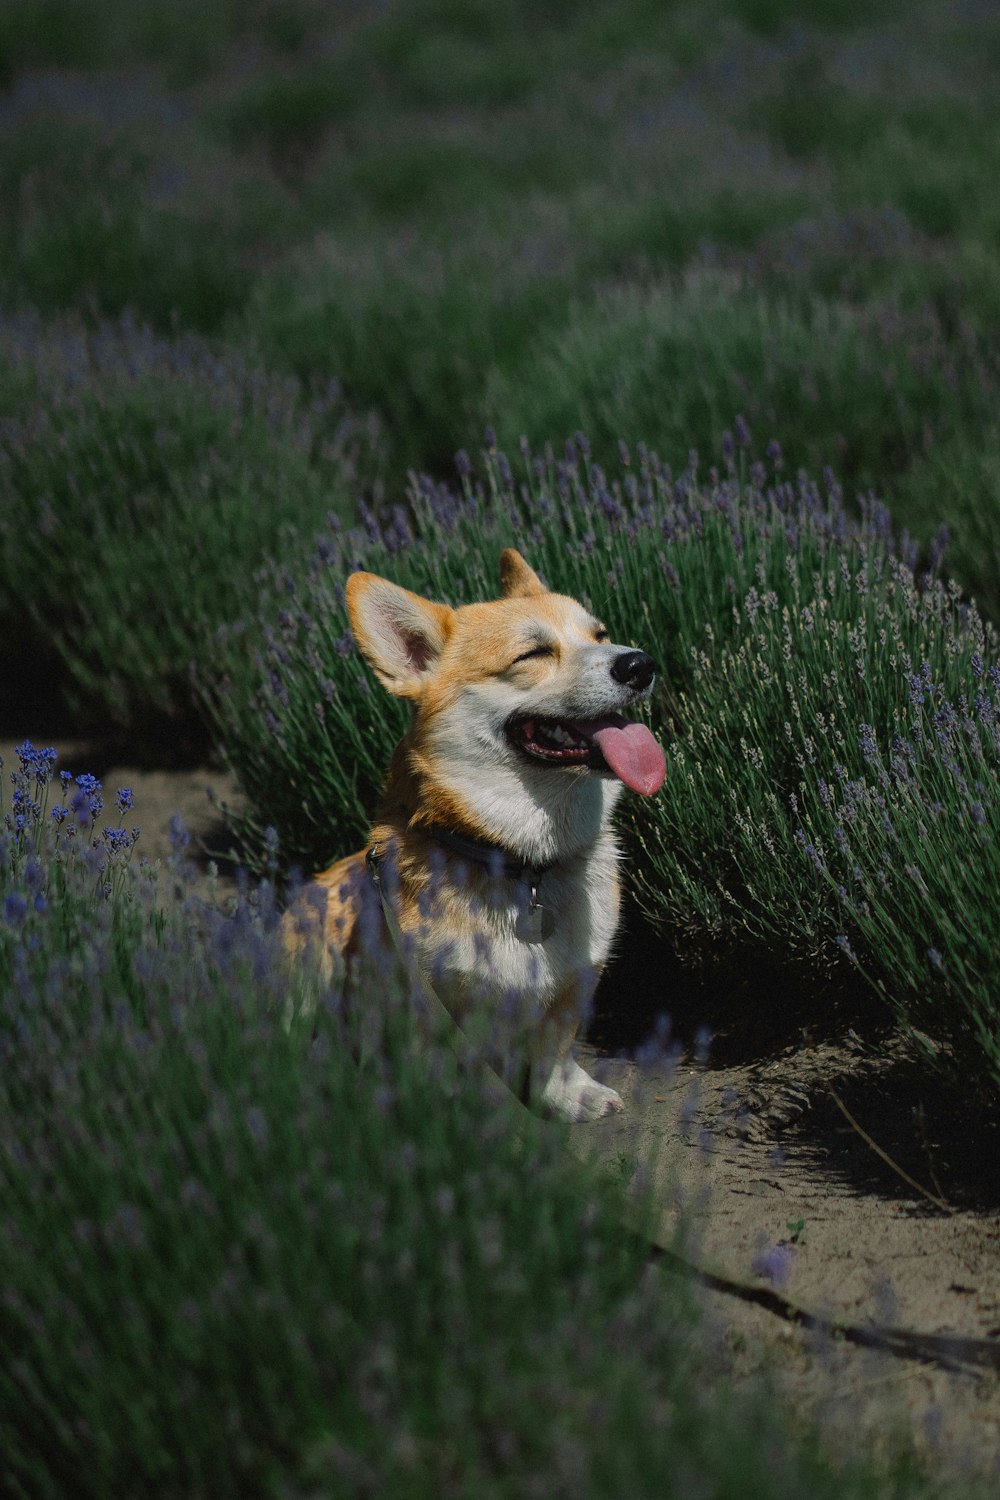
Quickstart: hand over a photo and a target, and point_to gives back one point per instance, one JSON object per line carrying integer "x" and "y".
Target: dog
{"x": 494, "y": 839}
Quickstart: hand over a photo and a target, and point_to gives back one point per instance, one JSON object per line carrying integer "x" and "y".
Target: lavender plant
{"x": 823, "y": 764}
{"x": 51, "y": 855}
{"x": 242, "y": 1254}
{"x": 781, "y": 626}
{"x": 860, "y": 387}
{"x": 186, "y": 38}
{"x": 654, "y": 552}
{"x": 909, "y": 842}
{"x": 143, "y": 480}
{"x": 549, "y": 258}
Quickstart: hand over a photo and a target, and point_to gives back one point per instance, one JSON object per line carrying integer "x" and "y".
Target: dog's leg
{"x": 569, "y": 1091}
{"x": 572, "y": 1094}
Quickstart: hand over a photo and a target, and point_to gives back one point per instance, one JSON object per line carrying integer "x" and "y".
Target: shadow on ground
{"x": 745, "y": 1014}
{"x": 818, "y": 1068}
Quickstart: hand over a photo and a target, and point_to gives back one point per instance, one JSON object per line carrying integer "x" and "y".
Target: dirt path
{"x": 779, "y": 1188}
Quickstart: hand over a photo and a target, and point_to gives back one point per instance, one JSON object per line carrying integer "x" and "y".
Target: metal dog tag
{"x": 536, "y": 922}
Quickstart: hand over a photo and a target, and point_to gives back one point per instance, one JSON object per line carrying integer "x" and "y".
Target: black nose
{"x": 634, "y": 669}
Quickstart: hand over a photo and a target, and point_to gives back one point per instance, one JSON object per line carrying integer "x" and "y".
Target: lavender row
{"x": 790, "y": 633}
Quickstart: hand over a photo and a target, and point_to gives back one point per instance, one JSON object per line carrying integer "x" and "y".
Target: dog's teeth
{"x": 549, "y": 735}
{"x": 554, "y": 734}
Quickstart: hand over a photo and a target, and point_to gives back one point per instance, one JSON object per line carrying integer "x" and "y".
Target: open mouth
{"x": 611, "y": 744}
{"x": 560, "y": 741}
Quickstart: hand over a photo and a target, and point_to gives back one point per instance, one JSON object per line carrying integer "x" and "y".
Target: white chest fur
{"x": 482, "y": 939}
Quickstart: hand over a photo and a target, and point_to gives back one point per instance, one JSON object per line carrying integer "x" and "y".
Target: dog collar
{"x": 493, "y": 857}
{"x": 534, "y": 924}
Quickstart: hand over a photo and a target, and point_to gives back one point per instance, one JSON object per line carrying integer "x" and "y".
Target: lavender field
{"x": 697, "y": 305}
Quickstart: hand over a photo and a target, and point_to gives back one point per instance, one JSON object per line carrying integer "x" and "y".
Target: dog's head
{"x": 519, "y": 702}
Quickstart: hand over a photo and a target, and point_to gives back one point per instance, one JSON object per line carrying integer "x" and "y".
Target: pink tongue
{"x": 634, "y": 756}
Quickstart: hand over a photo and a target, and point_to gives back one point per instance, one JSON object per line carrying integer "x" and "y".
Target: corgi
{"x": 495, "y": 827}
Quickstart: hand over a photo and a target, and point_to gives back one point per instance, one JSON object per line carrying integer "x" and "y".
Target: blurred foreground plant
{"x": 258, "y": 1241}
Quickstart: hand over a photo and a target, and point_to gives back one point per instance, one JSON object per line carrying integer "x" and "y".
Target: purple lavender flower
{"x": 86, "y": 802}
{"x": 939, "y": 545}
{"x": 15, "y": 908}
{"x": 37, "y": 763}
{"x": 89, "y": 795}
{"x": 775, "y": 1264}
{"x": 179, "y": 836}
{"x": 271, "y": 847}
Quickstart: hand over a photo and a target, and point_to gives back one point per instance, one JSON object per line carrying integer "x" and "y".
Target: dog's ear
{"x": 401, "y": 634}
{"x": 517, "y": 580}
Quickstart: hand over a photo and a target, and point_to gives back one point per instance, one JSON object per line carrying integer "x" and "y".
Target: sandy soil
{"x": 777, "y": 1187}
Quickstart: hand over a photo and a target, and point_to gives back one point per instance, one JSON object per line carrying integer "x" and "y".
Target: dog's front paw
{"x": 573, "y": 1095}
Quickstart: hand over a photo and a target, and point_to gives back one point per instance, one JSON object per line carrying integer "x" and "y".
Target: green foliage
{"x": 771, "y": 16}
{"x": 108, "y": 219}
{"x": 809, "y": 114}
{"x": 963, "y": 484}
{"x": 670, "y": 364}
{"x": 414, "y": 332}
{"x": 189, "y": 38}
{"x": 835, "y": 774}
{"x": 143, "y": 482}
{"x": 257, "y": 1240}
{"x": 448, "y": 206}
{"x": 292, "y": 110}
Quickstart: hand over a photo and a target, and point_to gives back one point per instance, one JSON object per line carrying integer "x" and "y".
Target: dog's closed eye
{"x": 539, "y": 650}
